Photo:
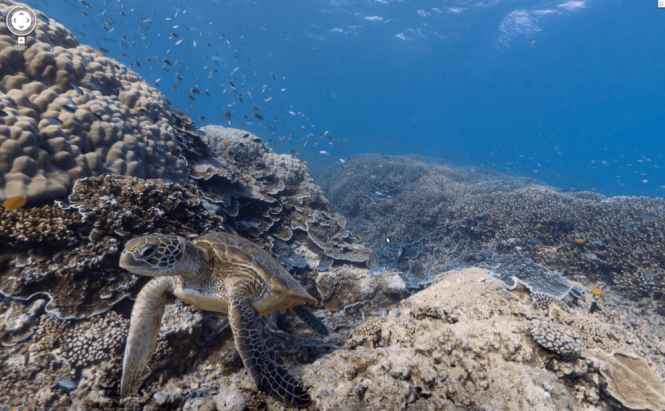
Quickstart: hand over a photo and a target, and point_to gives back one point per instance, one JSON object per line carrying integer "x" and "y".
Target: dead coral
{"x": 63, "y": 356}
{"x": 91, "y": 342}
{"x": 125, "y": 205}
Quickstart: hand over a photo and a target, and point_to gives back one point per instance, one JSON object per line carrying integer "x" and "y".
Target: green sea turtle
{"x": 216, "y": 272}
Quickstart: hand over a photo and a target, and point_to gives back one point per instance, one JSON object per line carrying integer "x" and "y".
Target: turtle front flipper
{"x": 261, "y": 358}
{"x": 143, "y": 332}
{"x": 311, "y": 320}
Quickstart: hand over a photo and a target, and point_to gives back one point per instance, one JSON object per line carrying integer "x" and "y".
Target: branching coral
{"x": 620, "y": 240}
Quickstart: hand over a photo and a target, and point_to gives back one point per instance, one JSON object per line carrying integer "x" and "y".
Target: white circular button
{"x": 21, "y": 20}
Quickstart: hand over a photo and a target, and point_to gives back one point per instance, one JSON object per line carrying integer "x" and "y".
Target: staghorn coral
{"x": 107, "y": 118}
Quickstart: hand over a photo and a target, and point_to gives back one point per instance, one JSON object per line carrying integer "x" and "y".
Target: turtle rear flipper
{"x": 311, "y": 320}
{"x": 261, "y": 358}
{"x": 143, "y": 332}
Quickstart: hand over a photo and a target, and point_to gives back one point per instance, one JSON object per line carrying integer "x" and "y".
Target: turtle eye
{"x": 146, "y": 251}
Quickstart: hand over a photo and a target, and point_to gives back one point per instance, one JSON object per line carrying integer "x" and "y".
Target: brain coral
{"x": 556, "y": 338}
{"x": 67, "y": 112}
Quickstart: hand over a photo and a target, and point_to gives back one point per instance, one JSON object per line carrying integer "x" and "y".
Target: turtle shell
{"x": 282, "y": 290}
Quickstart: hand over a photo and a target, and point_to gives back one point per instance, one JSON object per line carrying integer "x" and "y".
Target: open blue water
{"x": 571, "y": 93}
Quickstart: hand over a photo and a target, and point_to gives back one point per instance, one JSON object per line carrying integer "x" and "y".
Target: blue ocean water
{"x": 571, "y": 93}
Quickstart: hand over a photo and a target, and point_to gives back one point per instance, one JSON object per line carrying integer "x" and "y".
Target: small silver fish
{"x": 78, "y": 90}
{"x": 53, "y": 120}
{"x": 324, "y": 152}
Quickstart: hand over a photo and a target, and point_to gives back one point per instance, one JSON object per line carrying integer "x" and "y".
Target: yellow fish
{"x": 15, "y": 202}
{"x": 580, "y": 240}
{"x": 538, "y": 225}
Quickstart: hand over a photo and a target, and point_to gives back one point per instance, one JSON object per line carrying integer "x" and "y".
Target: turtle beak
{"x": 126, "y": 260}
{"x": 130, "y": 263}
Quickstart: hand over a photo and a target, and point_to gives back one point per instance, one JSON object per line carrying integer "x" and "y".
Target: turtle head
{"x": 154, "y": 255}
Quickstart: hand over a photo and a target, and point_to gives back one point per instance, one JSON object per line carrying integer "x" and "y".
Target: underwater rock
{"x": 345, "y": 286}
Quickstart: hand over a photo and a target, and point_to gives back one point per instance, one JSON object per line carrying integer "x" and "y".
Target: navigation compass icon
{"x": 21, "y": 21}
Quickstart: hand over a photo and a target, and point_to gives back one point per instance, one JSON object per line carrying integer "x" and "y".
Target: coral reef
{"x": 271, "y": 197}
{"x": 70, "y": 252}
{"x": 465, "y": 343}
{"x": 521, "y": 336}
{"x": 397, "y": 254}
{"x": 69, "y": 112}
{"x": 618, "y": 240}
